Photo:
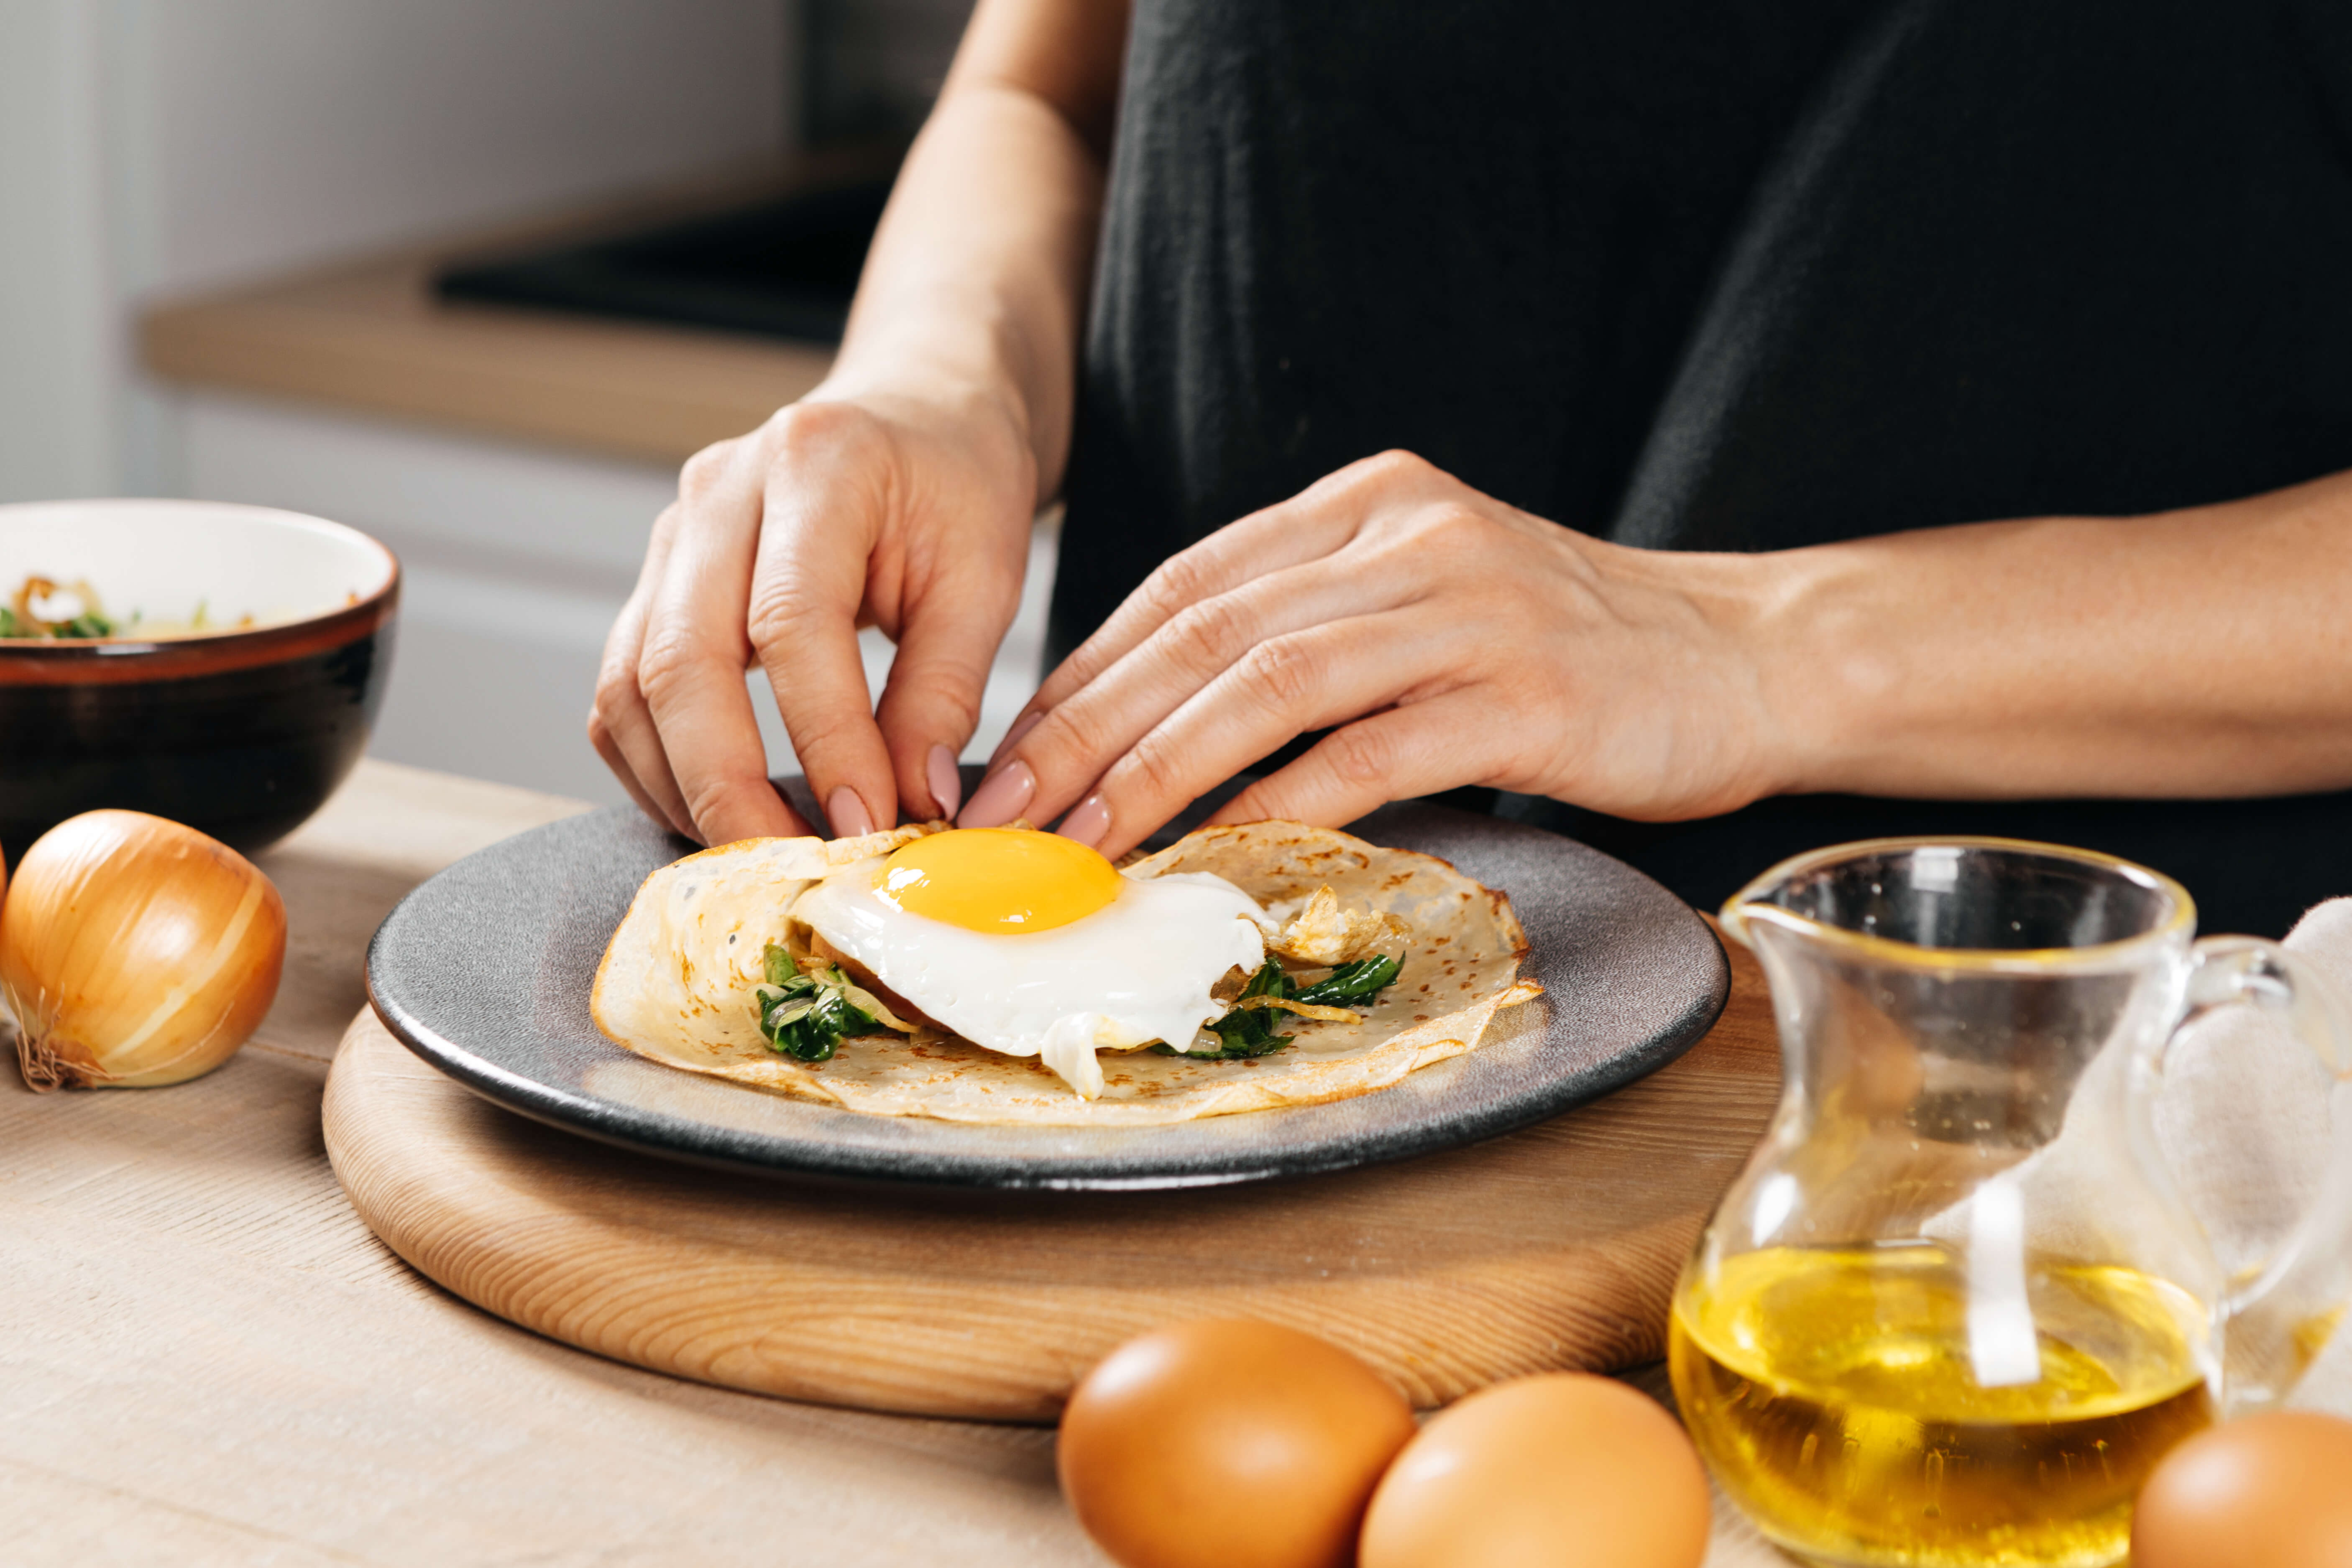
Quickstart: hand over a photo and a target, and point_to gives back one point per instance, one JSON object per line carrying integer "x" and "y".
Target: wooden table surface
{"x": 210, "y": 1360}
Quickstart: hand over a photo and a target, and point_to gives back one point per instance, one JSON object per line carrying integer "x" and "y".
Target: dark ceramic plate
{"x": 485, "y": 970}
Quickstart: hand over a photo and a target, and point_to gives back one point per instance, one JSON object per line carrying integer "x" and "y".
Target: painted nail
{"x": 1001, "y": 797}
{"x": 1088, "y": 822}
{"x": 1021, "y": 726}
{"x": 847, "y": 813}
{"x": 947, "y": 784}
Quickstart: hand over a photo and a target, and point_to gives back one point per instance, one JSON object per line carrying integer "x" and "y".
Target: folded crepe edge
{"x": 810, "y": 860}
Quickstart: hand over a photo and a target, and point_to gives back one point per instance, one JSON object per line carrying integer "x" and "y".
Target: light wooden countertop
{"x": 211, "y": 1359}
{"x": 369, "y": 336}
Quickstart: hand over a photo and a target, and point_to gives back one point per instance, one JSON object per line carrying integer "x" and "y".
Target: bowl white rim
{"x": 274, "y": 515}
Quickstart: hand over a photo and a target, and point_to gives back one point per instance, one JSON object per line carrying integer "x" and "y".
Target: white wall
{"x": 154, "y": 147}
{"x": 280, "y": 131}
{"x": 60, "y": 327}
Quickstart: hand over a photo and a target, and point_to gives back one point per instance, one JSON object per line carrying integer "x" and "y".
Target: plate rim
{"x": 836, "y": 1164}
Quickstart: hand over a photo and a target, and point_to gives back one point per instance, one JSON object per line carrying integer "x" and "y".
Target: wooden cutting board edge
{"x": 1554, "y": 1247}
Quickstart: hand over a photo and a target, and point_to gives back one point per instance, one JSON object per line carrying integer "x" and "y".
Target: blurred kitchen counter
{"x": 369, "y": 338}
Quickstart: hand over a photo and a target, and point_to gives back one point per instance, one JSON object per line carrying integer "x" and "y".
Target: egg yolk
{"x": 998, "y": 881}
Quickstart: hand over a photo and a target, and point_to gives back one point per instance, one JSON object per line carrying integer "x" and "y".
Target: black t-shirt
{"x": 1738, "y": 274}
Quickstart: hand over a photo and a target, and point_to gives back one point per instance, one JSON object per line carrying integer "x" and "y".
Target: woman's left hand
{"x": 1453, "y": 640}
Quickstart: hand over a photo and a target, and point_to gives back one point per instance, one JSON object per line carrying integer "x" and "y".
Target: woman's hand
{"x": 899, "y": 494}
{"x": 906, "y": 513}
{"x": 1452, "y": 639}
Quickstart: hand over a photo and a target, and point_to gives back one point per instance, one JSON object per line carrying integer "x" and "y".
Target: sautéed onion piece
{"x": 44, "y": 608}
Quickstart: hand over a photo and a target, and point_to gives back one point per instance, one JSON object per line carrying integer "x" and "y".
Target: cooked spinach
{"x": 89, "y": 623}
{"x": 1249, "y": 1031}
{"x": 1349, "y": 983}
{"x": 806, "y": 1017}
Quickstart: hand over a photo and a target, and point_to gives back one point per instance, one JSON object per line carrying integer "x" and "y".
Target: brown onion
{"x": 135, "y": 952}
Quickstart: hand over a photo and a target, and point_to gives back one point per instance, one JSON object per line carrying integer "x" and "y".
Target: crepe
{"x": 677, "y": 983}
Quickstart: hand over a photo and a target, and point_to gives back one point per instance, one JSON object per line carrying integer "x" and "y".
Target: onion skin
{"x": 135, "y": 952}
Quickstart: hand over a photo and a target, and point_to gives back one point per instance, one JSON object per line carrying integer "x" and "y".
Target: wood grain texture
{"x": 370, "y": 336}
{"x": 212, "y": 1363}
{"x": 1554, "y": 1247}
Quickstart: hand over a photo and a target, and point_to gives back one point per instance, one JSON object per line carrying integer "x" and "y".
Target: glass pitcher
{"x": 1955, "y": 1308}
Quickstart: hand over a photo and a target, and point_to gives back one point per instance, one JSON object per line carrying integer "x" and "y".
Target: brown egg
{"x": 2269, "y": 1491}
{"x": 1228, "y": 1444}
{"x": 1565, "y": 1470}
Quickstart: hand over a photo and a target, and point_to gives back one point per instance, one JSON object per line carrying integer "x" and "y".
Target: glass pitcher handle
{"x": 2281, "y": 1314}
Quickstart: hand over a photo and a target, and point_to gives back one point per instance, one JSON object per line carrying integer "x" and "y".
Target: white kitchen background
{"x": 155, "y": 148}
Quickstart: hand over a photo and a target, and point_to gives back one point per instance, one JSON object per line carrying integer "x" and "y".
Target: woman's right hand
{"x": 845, "y": 509}
{"x": 897, "y": 494}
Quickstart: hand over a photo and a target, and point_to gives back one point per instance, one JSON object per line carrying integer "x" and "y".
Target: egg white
{"x": 1136, "y": 970}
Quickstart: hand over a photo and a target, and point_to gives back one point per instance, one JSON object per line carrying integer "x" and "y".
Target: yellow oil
{"x": 1835, "y": 1396}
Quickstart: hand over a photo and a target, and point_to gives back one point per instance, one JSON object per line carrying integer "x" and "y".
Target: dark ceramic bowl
{"x": 240, "y": 731}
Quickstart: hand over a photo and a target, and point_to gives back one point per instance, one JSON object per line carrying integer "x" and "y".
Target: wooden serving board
{"x": 1554, "y": 1247}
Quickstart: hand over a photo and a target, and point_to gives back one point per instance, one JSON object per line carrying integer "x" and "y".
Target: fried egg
{"x": 1034, "y": 945}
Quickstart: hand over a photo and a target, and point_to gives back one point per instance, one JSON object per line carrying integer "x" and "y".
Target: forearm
{"x": 2202, "y": 652}
{"x": 975, "y": 287}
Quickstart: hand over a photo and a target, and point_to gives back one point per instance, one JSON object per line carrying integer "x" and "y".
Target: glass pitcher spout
{"x": 1956, "y": 1305}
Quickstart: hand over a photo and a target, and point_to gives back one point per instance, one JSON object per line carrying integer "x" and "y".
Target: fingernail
{"x": 847, "y": 813}
{"x": 1021, "y": 726}
{"x": 1088, "y": 822}
{"x": 1000, "y": 796}
{"x": 947, "y": 784}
